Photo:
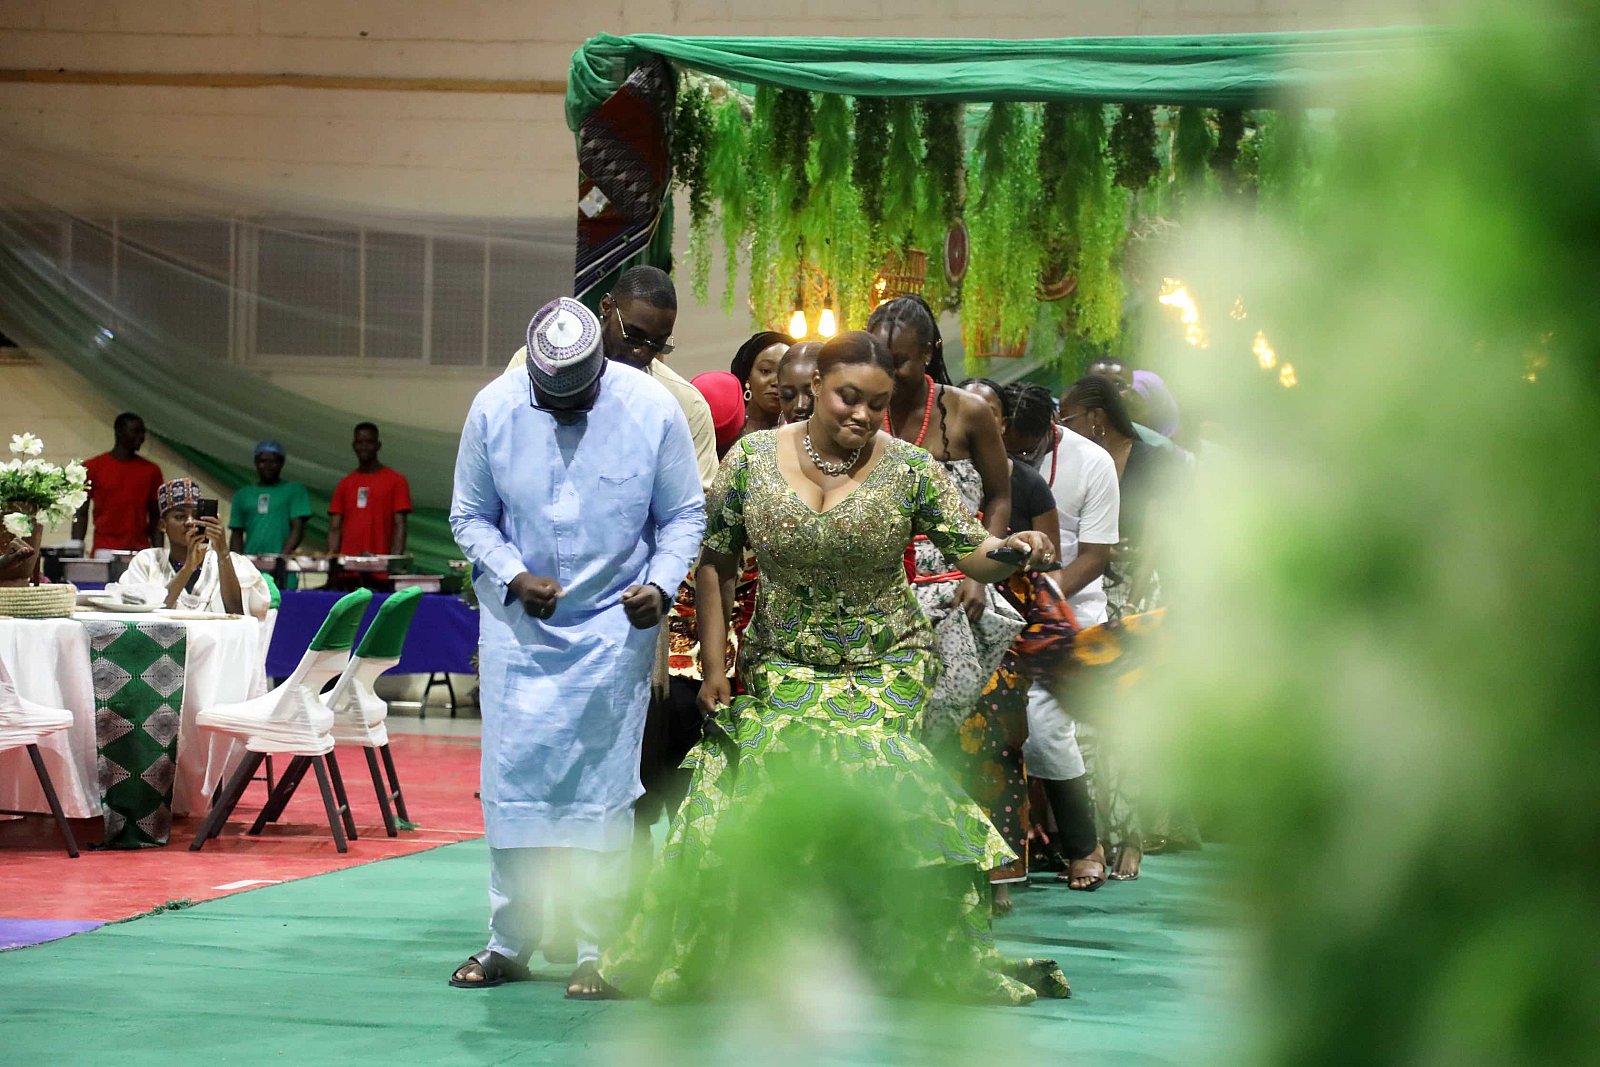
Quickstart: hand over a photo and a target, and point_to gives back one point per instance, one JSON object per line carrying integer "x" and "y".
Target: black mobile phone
{"x": 1011, "y": 557}
{"x": 206, "y": 509}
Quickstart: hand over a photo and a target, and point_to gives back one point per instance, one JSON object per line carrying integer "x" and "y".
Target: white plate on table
{"x": 106, "y": 603}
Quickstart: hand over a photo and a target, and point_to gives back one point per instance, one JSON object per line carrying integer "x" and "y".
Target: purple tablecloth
{"x": 443, "y": 636}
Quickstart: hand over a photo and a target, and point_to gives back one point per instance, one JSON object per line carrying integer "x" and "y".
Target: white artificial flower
{"x": 18, "y": 525}
{"x": 25, "y": 444}
{"x": 75, "y": 499}
{"x": 77, "y": 474}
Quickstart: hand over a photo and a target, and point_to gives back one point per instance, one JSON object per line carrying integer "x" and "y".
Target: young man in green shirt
{"x": 269, "y": 518}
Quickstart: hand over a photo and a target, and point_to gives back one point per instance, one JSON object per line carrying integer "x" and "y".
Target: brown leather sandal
{"x": 1097, "y": 881}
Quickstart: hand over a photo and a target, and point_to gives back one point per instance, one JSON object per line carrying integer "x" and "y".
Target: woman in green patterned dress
{"x": 837, "y": 665}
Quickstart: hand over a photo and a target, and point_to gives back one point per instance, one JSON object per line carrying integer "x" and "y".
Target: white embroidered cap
{"x": 564, "y": 351}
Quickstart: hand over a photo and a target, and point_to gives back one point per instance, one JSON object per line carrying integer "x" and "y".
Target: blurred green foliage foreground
{"x": 1386, "y": 604}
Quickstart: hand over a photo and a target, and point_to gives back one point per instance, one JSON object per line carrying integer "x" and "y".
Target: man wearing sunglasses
{"x": 636, "y": 322}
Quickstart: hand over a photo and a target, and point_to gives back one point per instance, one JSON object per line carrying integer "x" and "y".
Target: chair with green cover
{"x": 358, "y": 711}
{"x": 292, "y": 720}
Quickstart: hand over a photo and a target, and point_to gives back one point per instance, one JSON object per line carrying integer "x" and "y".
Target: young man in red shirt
{"x": 367, "y": 515}
{"x": 122, "y": 493}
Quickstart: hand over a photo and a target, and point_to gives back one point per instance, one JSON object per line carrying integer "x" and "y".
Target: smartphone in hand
{"x": 206, "y": 509}
{"x": 1012, "y": 557}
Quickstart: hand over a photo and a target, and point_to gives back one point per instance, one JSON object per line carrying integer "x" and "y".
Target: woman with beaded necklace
{"x": 837, "y": 666}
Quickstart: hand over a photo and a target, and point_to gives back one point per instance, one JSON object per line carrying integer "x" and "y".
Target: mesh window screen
{"x": 308, "y": 285}
{"x": 395, "y": 273}
{"x": 518, "y": 284}
{"x": 457, "y": 335}
{"x": 173, "y": 281}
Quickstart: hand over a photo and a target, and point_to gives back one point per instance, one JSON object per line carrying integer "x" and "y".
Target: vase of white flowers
{"x": 34, "y": 494}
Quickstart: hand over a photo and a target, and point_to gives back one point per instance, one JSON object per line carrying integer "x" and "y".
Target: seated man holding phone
{"x": 196, "y": 572}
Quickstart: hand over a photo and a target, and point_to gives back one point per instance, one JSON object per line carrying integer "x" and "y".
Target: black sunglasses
{"x": 639, "y": 340}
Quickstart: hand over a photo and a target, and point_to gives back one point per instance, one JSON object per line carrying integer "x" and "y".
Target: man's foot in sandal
{"x": 1086, "y": 874}
{"x": 488, "y": 968}
{"x": 586, "y": 984}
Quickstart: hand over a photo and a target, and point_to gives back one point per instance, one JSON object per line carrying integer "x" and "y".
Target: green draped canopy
{"x": 1226, "y": 71}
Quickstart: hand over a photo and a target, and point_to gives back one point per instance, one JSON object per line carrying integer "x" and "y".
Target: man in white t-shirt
{"x": 1083, "y": 478}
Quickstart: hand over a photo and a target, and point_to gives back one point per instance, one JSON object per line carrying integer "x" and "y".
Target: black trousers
{"x": 671, "y": 728}
{"x": 1069, "y": 802}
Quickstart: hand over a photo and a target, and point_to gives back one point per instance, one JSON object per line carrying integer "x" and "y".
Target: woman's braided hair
{"x": 1032, "y": 409}
{"x": 912, "y": 311}
{"x": 1097, "y": 392}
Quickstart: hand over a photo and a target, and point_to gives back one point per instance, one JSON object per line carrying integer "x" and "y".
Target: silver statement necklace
{"x": 834, "y": 469}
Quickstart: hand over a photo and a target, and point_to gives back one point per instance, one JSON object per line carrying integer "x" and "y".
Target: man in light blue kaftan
{"x": 578, "y": 502}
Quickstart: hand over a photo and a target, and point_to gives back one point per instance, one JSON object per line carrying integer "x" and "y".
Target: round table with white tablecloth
{"x": 50, "y": 663}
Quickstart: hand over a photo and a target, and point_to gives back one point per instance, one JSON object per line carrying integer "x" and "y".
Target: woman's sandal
{"x": 495, "y": 969}
{"x": 1096, "y": 880}
{"x": 1118, "y": 875}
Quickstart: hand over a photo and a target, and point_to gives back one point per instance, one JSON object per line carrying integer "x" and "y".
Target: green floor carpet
{"x": 350, "y": 967}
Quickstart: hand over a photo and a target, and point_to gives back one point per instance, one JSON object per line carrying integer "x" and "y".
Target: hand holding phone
{"x": 1015, "y": 557}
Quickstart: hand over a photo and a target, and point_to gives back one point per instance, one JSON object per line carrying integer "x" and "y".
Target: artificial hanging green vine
{"x": 772, "y": 253}
{"x": 1080, "y": 222}
{"x": 871, "y": 143}
{"x": 1191, "y": 149}
{"x": 1225, "y": 154}
{"x": 728, "y": 176}
{"x": 691, "y": 157}
{"x": 1248, "y": 166}
{"x": 1102, "y": 228}
{"x": 941, "y": 190}
{"x": 900, "y": 166}
{"x": 1133, "y": 146}
{"x": 791, "y": 132}
{"x": 999, "y": 296}
{"x": 1283, "y": 159}
{"x": 840, "y": 245}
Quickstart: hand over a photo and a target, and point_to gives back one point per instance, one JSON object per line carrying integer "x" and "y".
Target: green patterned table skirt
{"x": 138, "y": 703}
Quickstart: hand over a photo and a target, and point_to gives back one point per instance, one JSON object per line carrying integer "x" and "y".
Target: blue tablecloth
{"x": 443, "y": 636}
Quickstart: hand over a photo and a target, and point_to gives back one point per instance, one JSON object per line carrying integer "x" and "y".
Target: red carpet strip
{"x": 438, "y": 775}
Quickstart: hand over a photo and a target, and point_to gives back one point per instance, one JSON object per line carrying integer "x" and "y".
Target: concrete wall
{"x": 436, "y": 153}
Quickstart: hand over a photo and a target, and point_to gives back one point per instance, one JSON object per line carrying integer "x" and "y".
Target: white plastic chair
{"x": 22, "y": 724}
{"x": 359, "y": 714}
{"x": 269, "y": 625}
{"x": 291, "y": 720}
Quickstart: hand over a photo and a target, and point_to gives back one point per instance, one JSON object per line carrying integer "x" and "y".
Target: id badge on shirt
{"x": 263, "y": 503}
{"x": 361, "y": 496}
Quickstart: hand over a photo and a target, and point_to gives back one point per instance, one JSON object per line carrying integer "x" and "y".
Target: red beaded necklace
{"x": 927, "y": 412}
